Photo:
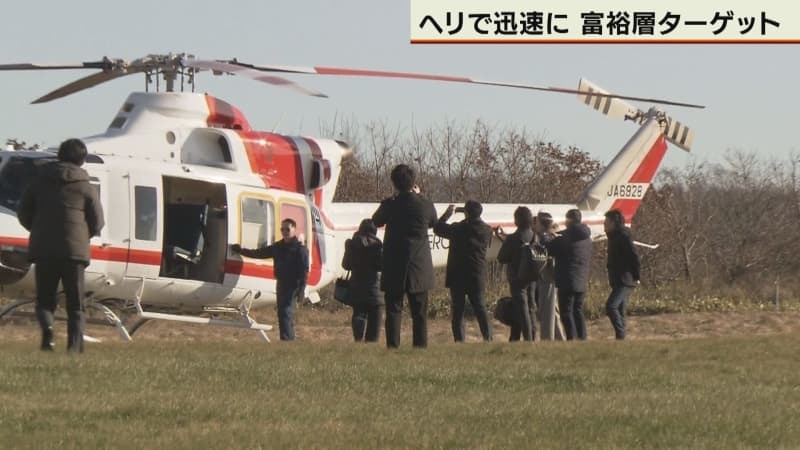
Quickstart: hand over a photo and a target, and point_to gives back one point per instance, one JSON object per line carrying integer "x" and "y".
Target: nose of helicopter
{"x": 14, "y": 264}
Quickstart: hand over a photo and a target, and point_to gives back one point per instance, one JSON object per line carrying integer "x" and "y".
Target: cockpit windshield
{"x": 16, "y": 172}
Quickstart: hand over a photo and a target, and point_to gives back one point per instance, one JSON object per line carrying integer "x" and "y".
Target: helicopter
{"x": 183, "y": 175}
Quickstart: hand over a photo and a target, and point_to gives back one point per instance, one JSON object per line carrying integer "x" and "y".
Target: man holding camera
{"x": 407, "y": 262}
{"x": 466, "y": 265}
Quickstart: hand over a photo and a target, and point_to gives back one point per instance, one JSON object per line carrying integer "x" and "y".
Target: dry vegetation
{"x": 727, "y": 230}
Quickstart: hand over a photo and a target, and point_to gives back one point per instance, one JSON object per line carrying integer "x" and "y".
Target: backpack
{"x": 531, "y": 260}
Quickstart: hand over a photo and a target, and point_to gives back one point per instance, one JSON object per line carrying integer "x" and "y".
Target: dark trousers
{"x": 418, "y": 302}
{"x": 458, "y": 296}
{"x": 366, "y": 322}
{"x": 286, "y": 302}
{"x": 523, "y": 302}
{"x": 570, "y": 305}
{"x": 70, "y": 274}
{"x": 615, "y": 308}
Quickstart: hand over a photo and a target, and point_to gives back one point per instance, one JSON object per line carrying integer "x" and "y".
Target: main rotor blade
{"x": 33, "y": 66}
{"x": 447, "y": 78}
{"x": 81, "y": 84}
{"x": 258, "y": 75}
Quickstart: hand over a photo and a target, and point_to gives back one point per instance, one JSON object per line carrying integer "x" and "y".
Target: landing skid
{"x": 244, "y": 320}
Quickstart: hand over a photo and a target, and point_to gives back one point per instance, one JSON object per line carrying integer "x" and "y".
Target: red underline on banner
{"x": 605, "y": 41}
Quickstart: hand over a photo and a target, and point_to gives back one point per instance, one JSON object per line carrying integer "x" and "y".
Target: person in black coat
{"x": 362, "y": 257}
{"x": 290, "y": 257}
{"x": 572, "y": 251}
{"x": 466, "y": 265}
{"x": 522, "y": 293}
{"x": 62, "y": 211}
{"x": 407, "y": 262}
{"x": 623, "y": 269}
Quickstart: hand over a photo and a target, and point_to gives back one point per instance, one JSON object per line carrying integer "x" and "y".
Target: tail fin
{"x": 624, "y": 182}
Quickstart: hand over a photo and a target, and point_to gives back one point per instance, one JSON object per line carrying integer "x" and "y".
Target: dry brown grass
{"x": 331, "y": 326}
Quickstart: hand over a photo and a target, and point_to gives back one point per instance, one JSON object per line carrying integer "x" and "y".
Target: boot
{"x": 47, "y": 340}
{"x": 75, "y": 334}
{"x": 46, "y": 323}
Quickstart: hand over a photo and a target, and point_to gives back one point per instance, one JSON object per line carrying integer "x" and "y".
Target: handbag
{"x": 504, "y": 312}
{"x": 341, "y": 290}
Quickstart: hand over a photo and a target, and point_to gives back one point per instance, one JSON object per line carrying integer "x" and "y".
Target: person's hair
{"x": 72, "y": 151}
{"x": 616, "y": 217}
{"x": 289, "y": 222}
{"x": 546, "y": 219}
{"x": 473, "y": 209}
{"x": 523, "y": 218}
{"x": 403, "y": 178}
{"x": 574, "y": 215}
{"x": 367, "y": 226}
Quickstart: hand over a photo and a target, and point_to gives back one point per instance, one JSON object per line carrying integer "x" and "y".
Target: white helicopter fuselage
{"x": 182, "y": 176}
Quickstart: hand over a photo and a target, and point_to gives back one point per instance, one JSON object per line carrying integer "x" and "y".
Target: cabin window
{"x": 298, "y": 214}
{"x": 146, "y": 209}
{"x": 258, "y": 219}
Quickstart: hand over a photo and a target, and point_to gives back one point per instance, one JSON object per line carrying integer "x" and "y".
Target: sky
{"x": 750, "y": 91}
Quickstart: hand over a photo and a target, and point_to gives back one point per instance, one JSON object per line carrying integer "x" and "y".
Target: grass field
{"x": 733, "y": 392}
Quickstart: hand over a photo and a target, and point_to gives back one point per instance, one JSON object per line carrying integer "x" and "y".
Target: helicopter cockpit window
{"x": 16, "y": 174}
{"x": 258, "y": 218}
{"x": 146, "y": 210}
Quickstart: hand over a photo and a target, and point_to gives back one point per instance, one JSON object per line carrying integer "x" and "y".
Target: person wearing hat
{"x": 466, "y": 265}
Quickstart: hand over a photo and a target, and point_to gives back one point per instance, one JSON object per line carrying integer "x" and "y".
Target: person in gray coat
{"x": 62, "y": 211}
{"x": 572, "y": 251}
{"x": 407, "y": 262}
{"x": 546, "y": 307}
{"x": 362, "y": 257}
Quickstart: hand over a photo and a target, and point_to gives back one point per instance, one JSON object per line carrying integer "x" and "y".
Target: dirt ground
{"x": 327, "y": 326}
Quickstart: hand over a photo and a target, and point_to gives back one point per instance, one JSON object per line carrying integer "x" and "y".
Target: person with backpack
{"x": 515, "y": 254}
{"x": 362, "y": 257}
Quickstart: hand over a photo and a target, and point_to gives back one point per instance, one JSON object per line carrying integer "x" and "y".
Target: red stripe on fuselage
{"x": 153, "y": 258}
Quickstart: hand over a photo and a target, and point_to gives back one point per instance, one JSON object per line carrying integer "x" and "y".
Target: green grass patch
{"x": 704, "y": 393}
